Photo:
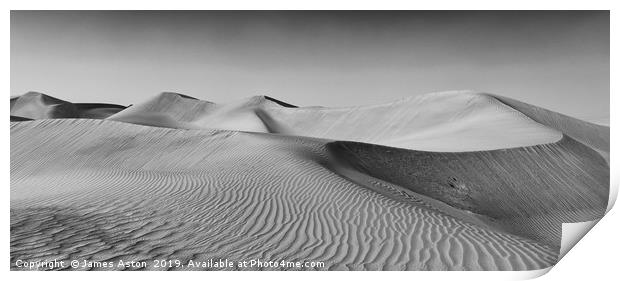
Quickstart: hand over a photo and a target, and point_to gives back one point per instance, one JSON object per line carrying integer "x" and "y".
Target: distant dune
{"x": 445, "y": 181}
{"x": 449, "y": 121}
{"x": 180, "y": 111}
{"x": 33, "y": 105}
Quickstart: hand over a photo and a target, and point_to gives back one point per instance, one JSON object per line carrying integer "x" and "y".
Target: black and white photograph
{"x": 306, "y": 140}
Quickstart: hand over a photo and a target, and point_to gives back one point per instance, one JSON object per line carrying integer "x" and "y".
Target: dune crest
{"x": 34, "y": 105}
{"x": 593, "y": 135}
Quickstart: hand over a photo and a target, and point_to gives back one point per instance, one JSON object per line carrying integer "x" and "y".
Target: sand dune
{"x": 114, "y": 191}
{"x": 174, "y": 110}
{"x": 33, "y": 105}
{"x": 527, "y": 191}
{"x": 593, "y": 135}
{"x": 170, "y": 110}
{"x": 447, "y": 121}
{"x": 445, "y": 181}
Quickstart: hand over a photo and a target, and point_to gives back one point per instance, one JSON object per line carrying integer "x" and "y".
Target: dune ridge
{"x": 593, "y": 135}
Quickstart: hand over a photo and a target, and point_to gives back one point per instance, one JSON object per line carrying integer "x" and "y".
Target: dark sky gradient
{"x": 555, "y": 59}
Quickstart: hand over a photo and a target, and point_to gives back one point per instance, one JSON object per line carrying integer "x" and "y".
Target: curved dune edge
{"x": 593, "y": 135}
{"x": 526, "y": 191}
{"x": 115, "y": 191}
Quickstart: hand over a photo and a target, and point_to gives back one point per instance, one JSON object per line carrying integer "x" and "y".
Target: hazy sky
{"x": 558, "y": 60}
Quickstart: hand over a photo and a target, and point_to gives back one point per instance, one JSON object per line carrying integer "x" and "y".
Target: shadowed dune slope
{"x": 447, "y": 121}
{"x": 33, "y": 105}
{"x": 529, "y": 190}
{"x": 105, "y": 191}
{"x": 17, "y": 119}
{"x": 97, "y": 110}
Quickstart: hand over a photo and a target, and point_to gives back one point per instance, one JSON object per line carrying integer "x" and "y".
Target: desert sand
{"x": 444, "y": 181}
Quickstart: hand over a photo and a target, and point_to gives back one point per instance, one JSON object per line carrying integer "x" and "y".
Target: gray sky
{"x": 558, "y": 60}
